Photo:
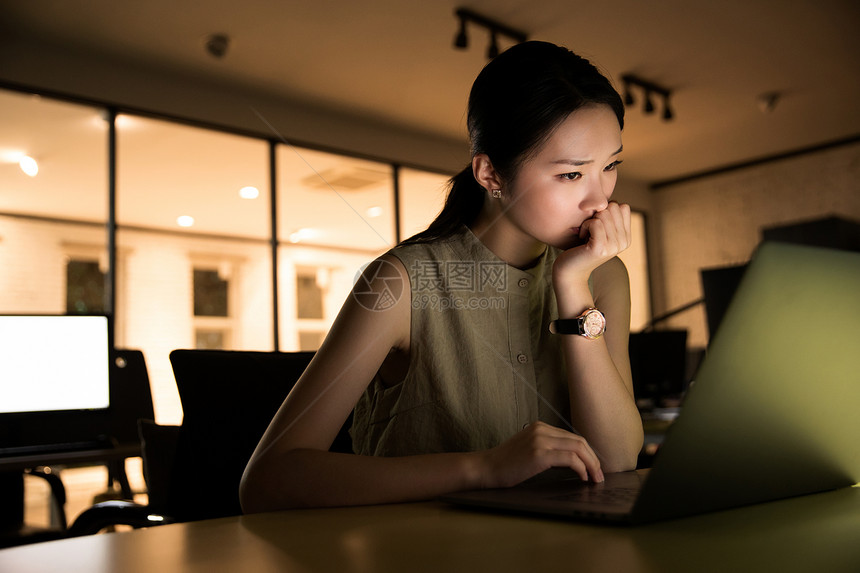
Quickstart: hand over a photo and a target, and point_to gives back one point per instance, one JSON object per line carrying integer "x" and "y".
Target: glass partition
{"x": 53, "y": 205}
{"x": 194, "y": 259}
{"x": 422, "y": 195}
{"x": 335, "y": 214}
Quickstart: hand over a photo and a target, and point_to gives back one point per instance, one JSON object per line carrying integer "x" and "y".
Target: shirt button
{"x": 523, "y": 283}
{"x": 522, "y": 358}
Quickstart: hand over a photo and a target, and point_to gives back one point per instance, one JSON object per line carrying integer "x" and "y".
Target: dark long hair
{"x": 516, "y": 103}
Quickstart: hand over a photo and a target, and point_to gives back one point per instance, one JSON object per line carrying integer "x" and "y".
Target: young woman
{"x": 448, "y": 349}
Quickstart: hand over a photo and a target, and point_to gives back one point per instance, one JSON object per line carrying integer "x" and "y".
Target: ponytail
{"x": 464, "y": 202}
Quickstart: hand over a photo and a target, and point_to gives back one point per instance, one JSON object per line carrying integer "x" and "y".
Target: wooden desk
{"x": 811, "y": 533}
{"x": 70, "y": 458}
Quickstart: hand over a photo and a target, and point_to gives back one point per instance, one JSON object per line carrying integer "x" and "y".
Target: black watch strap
{"x": 566, "y": 326}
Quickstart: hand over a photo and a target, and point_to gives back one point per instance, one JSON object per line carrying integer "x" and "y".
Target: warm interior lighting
{"x": 249, "y": 192}
{"x": 185, "y": 221}
{"x": 301, "y": 235}
{"x": 373, "y": 212}
{"x": 126, "y": 122}
{"x": 29, "y": 166}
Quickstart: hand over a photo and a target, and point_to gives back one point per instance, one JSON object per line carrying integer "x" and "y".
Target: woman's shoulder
{"x": 434, "y": 249}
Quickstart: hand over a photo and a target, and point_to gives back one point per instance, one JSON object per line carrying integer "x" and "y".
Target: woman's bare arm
{"x": 603, "y": 407}
{"x": 292, "y": 466}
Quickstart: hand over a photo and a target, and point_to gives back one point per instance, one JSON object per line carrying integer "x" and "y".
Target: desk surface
{"x": 16, "y": 463}
{"x": 811, "y": 533}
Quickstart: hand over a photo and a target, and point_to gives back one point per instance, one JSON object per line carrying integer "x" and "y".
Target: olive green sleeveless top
{"x": 482, "y": 363}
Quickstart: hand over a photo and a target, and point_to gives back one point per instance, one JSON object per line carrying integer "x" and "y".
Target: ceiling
{"x": 394, "y": 60}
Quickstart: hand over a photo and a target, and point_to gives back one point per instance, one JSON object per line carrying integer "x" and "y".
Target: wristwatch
{"x": 590, "y": 324}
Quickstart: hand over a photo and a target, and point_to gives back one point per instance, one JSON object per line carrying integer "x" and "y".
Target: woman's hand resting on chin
{"x": 602, "y": 237}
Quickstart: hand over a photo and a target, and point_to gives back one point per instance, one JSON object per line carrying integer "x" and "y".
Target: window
{"x": 213, "y": 320}
{"x": 311, "y": 286}
{"x": 210, "y": 293}
{"x": 85, "y": 287}
{"x": 309, "y": 295}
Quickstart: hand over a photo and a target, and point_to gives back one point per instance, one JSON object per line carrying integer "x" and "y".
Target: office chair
{"x": 228, "y": 399}
{"x": 130, "y": 400}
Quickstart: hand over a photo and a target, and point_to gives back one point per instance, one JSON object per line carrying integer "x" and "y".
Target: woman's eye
{"x": 613, "y": 165}
{"x": 571, "y": 176}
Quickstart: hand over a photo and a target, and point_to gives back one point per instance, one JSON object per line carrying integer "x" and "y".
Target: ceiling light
{"x": 495, "y": 29}
{"x": 767, "y": 101}
{"x": 29, "y": 166}
{"x": 217, "y": 44}
{"x": 185, "y": 221}
{"x": 493, "y": 50}
{"x": 126, "y": 122}
{"x": 668, "y": 115}
{"x": 375, "y": 211}
{"x": 301, "y": 235}
{"x": 461, "y": 40}
{"x": 249, "y": 192}
{"x": 650, "y": 89}
{"x": 628, "y": 95}
{"x": 649, "y": 103}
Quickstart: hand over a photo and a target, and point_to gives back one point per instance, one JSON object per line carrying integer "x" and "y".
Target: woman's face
{"x": 570, "y": 179}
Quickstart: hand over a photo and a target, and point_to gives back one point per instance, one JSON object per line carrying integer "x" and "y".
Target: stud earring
{"x": 497, "y": 193}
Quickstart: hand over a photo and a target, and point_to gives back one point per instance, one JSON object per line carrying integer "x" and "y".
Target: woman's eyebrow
{"x": 577, "y": 162}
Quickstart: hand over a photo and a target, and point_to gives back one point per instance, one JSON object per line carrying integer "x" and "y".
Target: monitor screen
{"x": 54, "y": 363}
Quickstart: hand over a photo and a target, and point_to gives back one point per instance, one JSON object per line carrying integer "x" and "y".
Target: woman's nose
{"x": 596, "y": 199}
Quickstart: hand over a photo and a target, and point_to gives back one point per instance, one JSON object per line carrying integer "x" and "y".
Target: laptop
{"x": 774, "y": 411}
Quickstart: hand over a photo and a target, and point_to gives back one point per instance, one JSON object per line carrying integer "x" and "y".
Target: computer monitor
{"x": 658, "y": 361}
{"x": 54, "y": 380}
{"x": 719, "y": 286}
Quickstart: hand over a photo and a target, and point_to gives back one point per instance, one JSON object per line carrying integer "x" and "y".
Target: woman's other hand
{"x": 535, "y": 449}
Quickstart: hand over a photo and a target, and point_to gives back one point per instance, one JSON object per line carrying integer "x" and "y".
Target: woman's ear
{"x": 485, "y": 173}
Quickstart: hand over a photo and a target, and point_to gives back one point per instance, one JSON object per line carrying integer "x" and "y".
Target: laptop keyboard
{"x": 600, "y": 495}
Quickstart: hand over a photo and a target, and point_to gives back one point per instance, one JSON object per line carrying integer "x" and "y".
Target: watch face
{"x": 593, "y": 324}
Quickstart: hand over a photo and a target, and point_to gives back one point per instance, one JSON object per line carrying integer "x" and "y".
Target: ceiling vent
{"x": 346, "y": 179}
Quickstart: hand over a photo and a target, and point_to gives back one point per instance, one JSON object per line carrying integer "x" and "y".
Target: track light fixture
{"x": 649, "y": 89}
{"x": 496, "y": 29}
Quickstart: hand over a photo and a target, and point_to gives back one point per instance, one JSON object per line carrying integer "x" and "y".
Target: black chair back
{"x": 228, "y": 399}
{"x": 130, "y": 395}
